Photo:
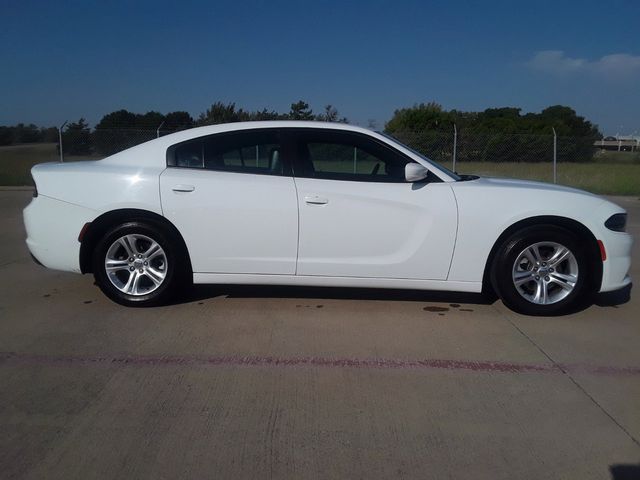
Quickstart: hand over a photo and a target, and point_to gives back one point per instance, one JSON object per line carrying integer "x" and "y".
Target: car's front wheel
{"x": 137, "y": 264}
{"x": 541, "y": 270}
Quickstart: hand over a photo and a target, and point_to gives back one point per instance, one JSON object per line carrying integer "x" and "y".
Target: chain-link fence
{"x": 460, "y": 148}
{"x": 449, "y": 149}
{"x": 576, "y": 161}
{"x": 101, "y": 143}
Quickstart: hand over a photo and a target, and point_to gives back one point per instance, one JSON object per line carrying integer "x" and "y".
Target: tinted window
{"x": 347, "y": 156}
{"x": 245, "y": 152}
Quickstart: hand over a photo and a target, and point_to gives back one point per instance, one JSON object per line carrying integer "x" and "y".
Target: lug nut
{"x": 546, "y": 278}
{"x": 131, "y": 260}
{"x": 544, "y": 264}
{"x": 146, "y": 263}
{"x": 537, "y": 277}
{"x": 551, "y": 269}
{"x": 141, "y": 270}
{"x": 131, "y": 269}
{"x": 139, "y": 255}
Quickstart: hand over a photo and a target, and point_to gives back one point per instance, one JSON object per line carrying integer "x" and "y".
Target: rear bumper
{"x": 52, "y": 232}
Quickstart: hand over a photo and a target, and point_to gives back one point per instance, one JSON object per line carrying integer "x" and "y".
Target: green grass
{"x": 600, "y": 177}
{"x": 613, "y": 173}
{"x": 16, "y": 161}
{"x": 611, "y": 156}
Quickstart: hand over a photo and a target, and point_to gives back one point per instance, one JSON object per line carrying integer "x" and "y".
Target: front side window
{"x": 346, "y": 156}
{"x": 244, "y": 152}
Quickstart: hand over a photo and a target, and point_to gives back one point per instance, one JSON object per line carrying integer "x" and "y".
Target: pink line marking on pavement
{"x": 11, "y": 358}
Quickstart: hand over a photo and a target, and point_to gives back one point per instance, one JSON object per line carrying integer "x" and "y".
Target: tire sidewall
{"x": 158, "y": 296}
{"x": 509, "y": 252}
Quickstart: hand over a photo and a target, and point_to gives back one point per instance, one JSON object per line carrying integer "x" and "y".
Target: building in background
{"x": 620, "y": 143}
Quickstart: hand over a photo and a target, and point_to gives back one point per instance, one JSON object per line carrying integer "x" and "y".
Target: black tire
{"x": 172, "y": 265}
{"x": 502, "y": 272}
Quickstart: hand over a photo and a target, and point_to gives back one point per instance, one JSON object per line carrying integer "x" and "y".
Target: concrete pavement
{"x": 247, "y": 382}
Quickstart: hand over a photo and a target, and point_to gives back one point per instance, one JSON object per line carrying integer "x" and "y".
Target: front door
{"x": 360, "y": 218}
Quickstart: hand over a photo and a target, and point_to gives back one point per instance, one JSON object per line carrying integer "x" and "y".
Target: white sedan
{"x": 320, "y": 204}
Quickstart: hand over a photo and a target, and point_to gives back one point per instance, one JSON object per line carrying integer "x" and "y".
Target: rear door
{"x": 358, "y": 215}
{"x": 233, "y": 199}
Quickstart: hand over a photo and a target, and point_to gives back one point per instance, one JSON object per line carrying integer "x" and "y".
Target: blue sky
{"x": 64, "y": 60}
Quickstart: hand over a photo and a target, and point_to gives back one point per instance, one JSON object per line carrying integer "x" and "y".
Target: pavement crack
{"x": 2, "y": 265}
{"x": 570, "y": 377}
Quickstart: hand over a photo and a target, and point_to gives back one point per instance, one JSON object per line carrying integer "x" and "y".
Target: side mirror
{"x": 414, "y": 172}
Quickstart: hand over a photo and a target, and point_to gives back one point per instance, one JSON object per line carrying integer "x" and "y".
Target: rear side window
{"x": 257, "y": 152}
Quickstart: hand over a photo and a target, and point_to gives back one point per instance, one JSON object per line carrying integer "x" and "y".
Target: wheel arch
{"x": 98, "y": 227}
{"x": 573, "y": 226}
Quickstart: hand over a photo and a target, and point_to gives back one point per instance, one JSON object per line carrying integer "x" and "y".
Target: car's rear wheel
{"x": 541, "y": 270}
{"x": 138, "y": 264}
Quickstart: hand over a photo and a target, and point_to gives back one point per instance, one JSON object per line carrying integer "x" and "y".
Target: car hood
{"x": 517, "y": 199}
{"x": 510, "y": 183}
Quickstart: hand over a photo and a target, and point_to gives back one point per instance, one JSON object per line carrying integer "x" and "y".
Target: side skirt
{"x": 318, "y": 281}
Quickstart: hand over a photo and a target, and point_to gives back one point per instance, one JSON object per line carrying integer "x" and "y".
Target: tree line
{"x": 123, "y": 129}
{"x": 495, "y": 133}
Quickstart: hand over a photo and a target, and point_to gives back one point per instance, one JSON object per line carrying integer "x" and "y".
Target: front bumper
{"x": 615, "y": 269}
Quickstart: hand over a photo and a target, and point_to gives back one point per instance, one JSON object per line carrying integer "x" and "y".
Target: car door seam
{"x": 160, "y": 191}
{"x": 455, "y": 239}
{"x": 295, "y": 186}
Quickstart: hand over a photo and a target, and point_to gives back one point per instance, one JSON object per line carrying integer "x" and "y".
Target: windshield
{"x": 453, "y": 175}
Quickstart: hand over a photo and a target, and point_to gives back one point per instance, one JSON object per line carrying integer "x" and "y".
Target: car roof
{"x": 237, "y": 126}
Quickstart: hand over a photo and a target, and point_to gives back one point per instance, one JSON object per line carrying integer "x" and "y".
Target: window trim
{"x": 287, "y": 170}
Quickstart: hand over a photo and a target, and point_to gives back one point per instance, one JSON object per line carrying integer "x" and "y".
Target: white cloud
{"x": 614, "y": 66}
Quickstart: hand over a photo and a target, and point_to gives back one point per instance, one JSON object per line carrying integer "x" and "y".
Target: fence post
{"x": 455, "y": 145}
{"x": 555, "y": 155}
{"x": 60, "y": 140}
{"x": 158, "y": 129}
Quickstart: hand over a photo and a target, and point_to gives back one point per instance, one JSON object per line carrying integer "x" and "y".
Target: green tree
{"x": 119, "y": 119}
{"x": 175, "y": 121}
{"x": 301, "y": 111}
{"x": 6, "y": 135}
{"x": 49, "y": 134}
{"x": 221, "y": 113}
{"x": 119, "y": 130}
{"x": 424, "y": 116}
{"x": 265, "y": 114}
{"x": 495, "y": 134}
{"x": 331, "y": 114}
{"x": 76, "y": 138}
{"x": 149, "y": 121}
{"x": 425, "y": 127}
{"x": 26, "y": 133}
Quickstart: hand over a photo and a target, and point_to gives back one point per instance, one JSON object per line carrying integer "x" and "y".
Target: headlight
{"x": 617, "y": 222}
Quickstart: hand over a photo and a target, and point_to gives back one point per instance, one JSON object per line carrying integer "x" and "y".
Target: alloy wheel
{"x": 545, "y": 273}
{"x": 136, "y": 264}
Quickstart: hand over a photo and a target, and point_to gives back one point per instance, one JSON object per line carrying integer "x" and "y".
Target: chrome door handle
{"x": 315, "y": 200}
{"x": 183, "y": 188}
